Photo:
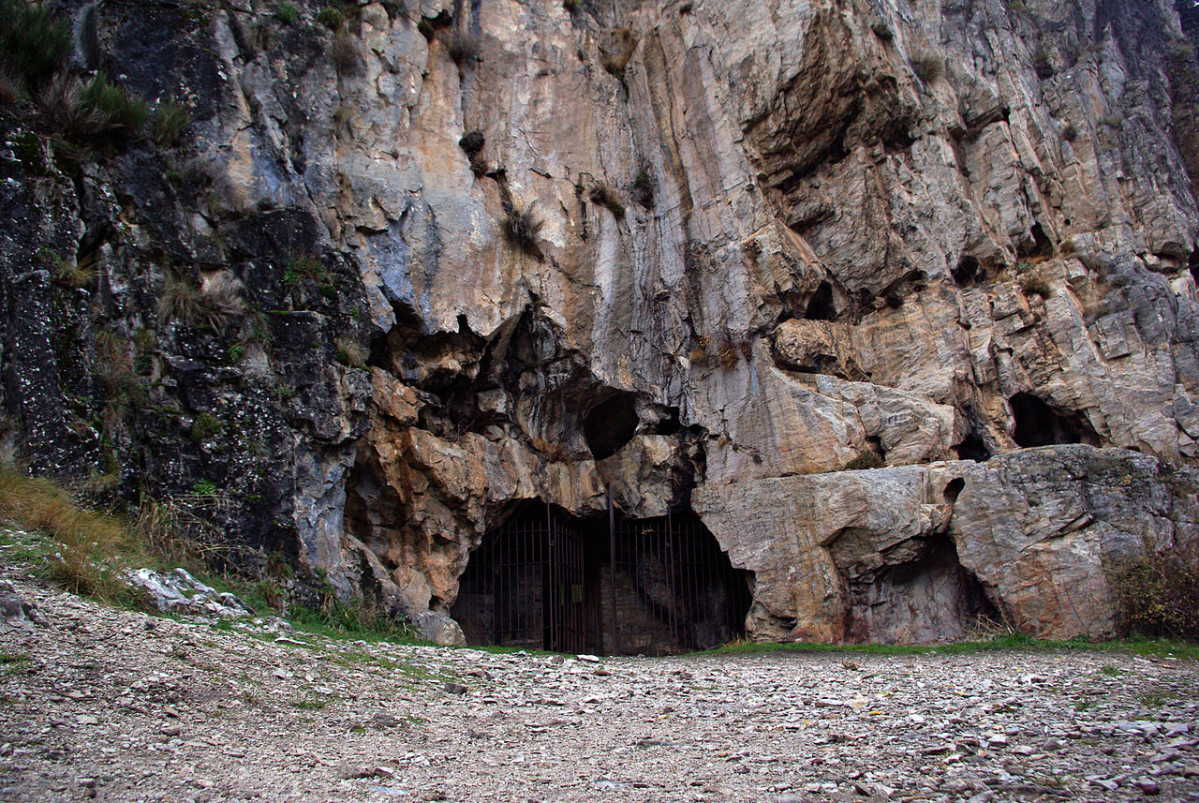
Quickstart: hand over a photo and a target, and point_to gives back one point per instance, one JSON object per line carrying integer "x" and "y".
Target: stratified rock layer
{"x": 454, "y": 258}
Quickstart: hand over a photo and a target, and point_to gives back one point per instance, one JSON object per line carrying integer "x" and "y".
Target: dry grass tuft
{"x": 865, "y": 459}
{"x": 1155, "y": 593}
{"x": 521, "y": 229}
{"x": 94, "y": 546}
{"x": 217, "y": 303}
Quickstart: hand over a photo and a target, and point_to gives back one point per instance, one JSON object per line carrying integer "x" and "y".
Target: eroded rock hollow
{"x": 898, "y": 298}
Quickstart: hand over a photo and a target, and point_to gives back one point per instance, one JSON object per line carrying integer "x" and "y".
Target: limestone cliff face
{"x": 765, "y": 240}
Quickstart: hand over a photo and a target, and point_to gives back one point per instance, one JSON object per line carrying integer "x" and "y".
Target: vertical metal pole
{"x": 670, "y": 562}
{"x": 612, "y": 571}
{"x": 549, "y": 607}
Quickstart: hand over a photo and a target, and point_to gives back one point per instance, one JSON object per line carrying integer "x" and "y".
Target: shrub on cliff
{"x": 521, "y": 229}
{"x": 96, "y": 111}
{"x": 1155, "y": 593}
{"x": 33, "y": 42}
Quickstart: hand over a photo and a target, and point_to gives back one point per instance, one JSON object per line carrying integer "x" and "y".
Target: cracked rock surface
{"x": 114, "y": 705}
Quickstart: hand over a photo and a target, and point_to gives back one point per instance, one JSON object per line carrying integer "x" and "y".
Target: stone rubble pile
{"x": 179, "y": 592}
{"x": 113, "y": 705}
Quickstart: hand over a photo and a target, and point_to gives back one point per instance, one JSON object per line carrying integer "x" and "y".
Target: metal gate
{"x": 544, "y": 580}
{"x": 672, "y": 589}
{"x": 530, "y": 591}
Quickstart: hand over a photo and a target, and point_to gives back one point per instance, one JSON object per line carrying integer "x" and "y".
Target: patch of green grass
{"x": 1110, "y": 671}
{"x": 19, "y": 546}
{"x": 13, "y": 662}
{"x": 1154, "y": 699}
{"x": 331, "y": 17}
{"x": 348, "y": 351}
{"x": 89, "y": 549}
{"x": 34, "y": 42}
{"x": 342, "y": 622}
{"x": 285, "y": 12}
{"x": 170, "y": 121}
{"x": 112, "y": 109}
{"x": 206, "y": 427}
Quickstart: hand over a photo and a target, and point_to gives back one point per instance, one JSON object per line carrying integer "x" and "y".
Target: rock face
{"x": 917, "y": 553}
{"x": 397, "y": 277}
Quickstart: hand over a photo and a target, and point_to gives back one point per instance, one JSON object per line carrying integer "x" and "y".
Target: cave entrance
{"x": 608, "y": 585}
{"x": 1038, "y": 424}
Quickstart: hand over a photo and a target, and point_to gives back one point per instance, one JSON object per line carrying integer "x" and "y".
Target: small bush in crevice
{"x": 1036, "y": 286}
{"x": 1070, "y": 132}
{"x": 171, "y": 119}
{"x": 350, "y": 352}
{"x": 865, "y": 459}
{"x": 97, "y": 110}
{"x": 331, "y": 17}
{"x": 521, "y": 229}
{"x": 206, "y": 427}
{"x": 643, "y": 189}
{"x": 617, "y": 59}
{"x": 117, "y": 110}
{"x": 1155, "y": 593}
{"x": 66, "y": 272}
{"x": 346, "y": 57}
{"x": 472, "y": 143}
{"x": 605, "y": 197}
{"x": 217, "y": 304}
{"x": 1042, "y": 65}
{"x": 285, "y": 12}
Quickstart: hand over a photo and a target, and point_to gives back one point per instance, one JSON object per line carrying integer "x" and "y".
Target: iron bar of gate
{"x": 549, "y": 607}
{"x": 672, "y": 595}
{"x": 612, "y": 571}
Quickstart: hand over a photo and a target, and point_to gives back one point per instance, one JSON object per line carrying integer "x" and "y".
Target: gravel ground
{"x": 113, "y": 705}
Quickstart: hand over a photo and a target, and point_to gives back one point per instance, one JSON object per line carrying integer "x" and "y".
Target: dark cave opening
{"x": 1038, "y": 244}
{"x": 547, "y": 580}
{"x": 969, "y": 271}
{"x": 611, "y": 424}
{"x": 953, "y": 489}
{"x": 1038, "y": 424}
{"x": 820, "y": 305}
{"x": 973, "y": 447}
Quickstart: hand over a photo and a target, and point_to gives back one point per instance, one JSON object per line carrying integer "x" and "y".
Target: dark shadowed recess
{"x": 545, "y": 579}
{"x": 611, "y": 424}
{"x": 1038, "y": 424}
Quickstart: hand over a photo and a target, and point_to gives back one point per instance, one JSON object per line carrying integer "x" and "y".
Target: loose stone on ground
{"x": 105, "y": 704}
